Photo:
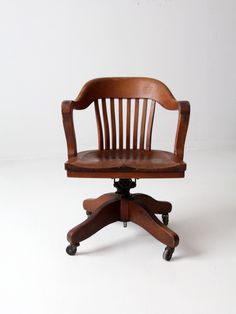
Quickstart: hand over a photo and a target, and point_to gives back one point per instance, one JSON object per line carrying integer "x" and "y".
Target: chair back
{"x": 124, "y": 109}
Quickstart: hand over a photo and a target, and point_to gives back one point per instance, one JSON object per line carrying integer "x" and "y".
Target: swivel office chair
{"x": 125, "y": 154}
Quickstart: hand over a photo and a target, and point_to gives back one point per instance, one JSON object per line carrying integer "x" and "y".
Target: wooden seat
{"x": 146, "y": 163}
{"x": 124, "y": 113}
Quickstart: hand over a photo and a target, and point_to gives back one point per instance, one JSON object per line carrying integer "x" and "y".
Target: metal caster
{"x": 167, "y": 254}
{"x": 125, "y": 224}
{"x": 165, "y": 219}
{"x": 88, "y": 213}
{"x": 71, "y": 249}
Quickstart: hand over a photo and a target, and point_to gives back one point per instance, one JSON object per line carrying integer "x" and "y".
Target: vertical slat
{"x": 136, "y": 113}
{"x": 113, "y": 123}
{"x": 143, "y": 124}
{"x": 105, "y": 123}
{"x": 128, "y": 123}
{"x": 120, "y": 123}
{"x": 150, "y": 124}
{"x": 99, "y": 125}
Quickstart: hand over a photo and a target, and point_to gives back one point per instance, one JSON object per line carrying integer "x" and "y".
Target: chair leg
{"x": 92, "y": 204}
{"x": 146, "y": 219}
{"x": 157, "y": 207}
{"x": 103, "y": 216}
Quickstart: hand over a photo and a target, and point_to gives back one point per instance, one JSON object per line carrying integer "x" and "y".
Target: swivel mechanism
{"x": 124, "y": 206}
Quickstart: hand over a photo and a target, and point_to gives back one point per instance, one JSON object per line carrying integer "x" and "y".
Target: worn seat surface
{"x": 126, "y": 160}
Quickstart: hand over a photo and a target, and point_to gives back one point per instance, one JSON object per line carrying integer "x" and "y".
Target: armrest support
{"x": 67, "y": 107}
{"x": 183, "y": 120}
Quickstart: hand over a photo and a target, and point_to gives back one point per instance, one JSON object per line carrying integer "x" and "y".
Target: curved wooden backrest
{"x": 114, "y": 128}
{"x": 125, "y": 87}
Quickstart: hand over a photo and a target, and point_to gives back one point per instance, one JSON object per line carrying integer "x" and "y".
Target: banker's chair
{"x": 125, "y": 154}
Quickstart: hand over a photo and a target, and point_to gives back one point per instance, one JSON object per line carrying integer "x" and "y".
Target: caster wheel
{"x": 88, "y": 213}
{"x": 71, "y": 249}
{"x": 167, "y": 254}
{"x": 165, "y": 219}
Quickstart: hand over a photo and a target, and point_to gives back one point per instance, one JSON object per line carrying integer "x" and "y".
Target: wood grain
{"x": 183, "y": 121}
{"x": 113, "y": 123}
{"x": 106, "y": 125}
{"x": 128, "y": 123}
{"x": 67, "y": 107}
{"x": 99, "y": 125}
{"x": 143, "y": 124}
{"x": 136, "y": 115}
{"x": 150, "y": 125}
{"x": 120, "y": 123}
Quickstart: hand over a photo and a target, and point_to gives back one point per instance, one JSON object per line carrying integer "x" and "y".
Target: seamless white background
{"x": 49, "y": 49}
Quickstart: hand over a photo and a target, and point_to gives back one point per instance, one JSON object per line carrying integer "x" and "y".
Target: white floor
{"x": 118, "y": 270}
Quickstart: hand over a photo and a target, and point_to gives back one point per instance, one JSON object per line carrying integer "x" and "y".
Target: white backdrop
{"x": 49, "y": 49}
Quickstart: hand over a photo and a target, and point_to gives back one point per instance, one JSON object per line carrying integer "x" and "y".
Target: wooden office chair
{"x": 124, "y": 153}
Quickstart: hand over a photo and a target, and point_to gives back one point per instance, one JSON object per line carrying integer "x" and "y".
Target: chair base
{"x": 124, "y": 206}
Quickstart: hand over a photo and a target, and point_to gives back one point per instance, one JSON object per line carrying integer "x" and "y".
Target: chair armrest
{"x": 183, "y": 120}
{"x": 67, "y": 107}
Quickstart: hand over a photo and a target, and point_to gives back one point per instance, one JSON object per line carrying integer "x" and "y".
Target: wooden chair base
{"x": 123, "y": 206}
